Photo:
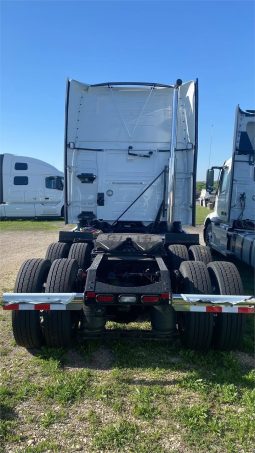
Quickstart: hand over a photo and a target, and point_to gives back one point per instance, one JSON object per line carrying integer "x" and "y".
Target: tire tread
{"x": 177, "y": 253}
{"x": 57, "y": 250}
{"x": 200, "y": 253}
{"x": 199, "y": 326}
{"x": 57, "y": 324}
{"x": 26, "y": 324}
{"x": 81, "y": 252}
{"x": 228, "y": 326}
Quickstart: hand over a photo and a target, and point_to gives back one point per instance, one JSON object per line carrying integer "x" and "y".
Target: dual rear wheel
{"x": 26, "y": 324}
{"x": 201, "y": 330}
{"x": 195, "y": 329}
{"x": 177, "y": 253}
{"x": 59, "y": 326}
{"x": 228, "y": 328}
{"x": 79, "y": 251}
{"x": 32, "y": 328}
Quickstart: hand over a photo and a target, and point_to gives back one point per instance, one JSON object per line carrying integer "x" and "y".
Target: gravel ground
{"x": 16, "y": 247}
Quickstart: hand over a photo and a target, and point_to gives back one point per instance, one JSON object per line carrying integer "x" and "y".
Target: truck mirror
{"x": 210, "y": 180}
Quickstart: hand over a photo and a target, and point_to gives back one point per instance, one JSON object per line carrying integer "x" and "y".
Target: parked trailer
{"x": 30, "y": 188}
{"x": 130, "y": 184}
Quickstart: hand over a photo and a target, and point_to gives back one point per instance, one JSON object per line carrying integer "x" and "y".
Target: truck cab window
{"x": 21, "y": 166}
{"x": 54, "y": 182}
{"x": 20, "y": 180}
{"x": 224, "y": 180}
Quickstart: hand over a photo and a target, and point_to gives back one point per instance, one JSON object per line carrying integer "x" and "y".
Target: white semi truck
{"x": 230, "y": 228}
{"x": 130, "y": 184}
{"x": 30, "y": 188}
{"x": 206, "y": 199}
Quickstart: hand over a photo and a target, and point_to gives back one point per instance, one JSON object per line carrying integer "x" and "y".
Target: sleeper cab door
{"x": 51, "y": 196}
{"x": 223, "y": 194}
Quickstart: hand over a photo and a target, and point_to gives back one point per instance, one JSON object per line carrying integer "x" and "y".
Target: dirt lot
{"x": 118, "y": 396}
{"x": 18, "y": 246}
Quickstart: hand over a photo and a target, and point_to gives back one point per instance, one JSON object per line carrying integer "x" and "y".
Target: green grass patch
{"x": 143, "y": 402}
{"x": 201, "y": 214}
{"x": 50, "y": 417}
{"x": 127, "y": 436}
{"x": 116, "y": 436}
{"x": 195, "y": 417}
{"x": 68, "y": 388}
{"x": 7, "y": 431}
{"x": 31, "y": 225}
{"x": 42, "y": 447}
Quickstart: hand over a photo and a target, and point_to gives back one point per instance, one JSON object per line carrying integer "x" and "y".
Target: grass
{"x": 201, "y": 214}
{"x": 137, "y": 396}
{"x": 151, "y": 396}
{"x": 31, "y": 225}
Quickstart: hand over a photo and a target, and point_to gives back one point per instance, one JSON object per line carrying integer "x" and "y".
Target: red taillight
{"x": 150, "y": 299}
{"x": 11, "y": 307}
{"x": 104, "y": 298}
{"x": 90, "y": 295}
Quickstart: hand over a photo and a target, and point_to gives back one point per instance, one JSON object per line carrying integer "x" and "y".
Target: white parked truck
{"x": 206, "y": 199}
{"x": 30, "y": 188}
{"x": 130, "y": 183}
{"x": 230, "y": 228}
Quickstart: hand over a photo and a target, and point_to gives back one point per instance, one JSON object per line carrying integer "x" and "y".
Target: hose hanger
{"x": 138, "y": 154}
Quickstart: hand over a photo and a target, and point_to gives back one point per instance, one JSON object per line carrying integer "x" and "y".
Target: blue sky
{"x": 44, "y": 42}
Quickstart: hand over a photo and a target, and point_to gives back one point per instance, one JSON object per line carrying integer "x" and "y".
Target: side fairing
{"x": 186, "y": 154}
{"x": 242, "y": 196}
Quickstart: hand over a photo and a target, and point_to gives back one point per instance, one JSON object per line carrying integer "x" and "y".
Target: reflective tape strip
{"x": 11, "y": 307}
{"x": 214, "y": 309}
{"x": 42, "y": 307}
{"x": 37, "y": 307}
{"x": 193, "y": 308}
{"x": 58, "y": 307}
{"x": 246, "y": 310}
{"x": 196, "y": 308}
{"x": 218, "y": 309}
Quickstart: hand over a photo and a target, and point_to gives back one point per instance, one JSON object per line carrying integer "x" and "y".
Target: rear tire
{"x": 177, "y": 253}
{"x": 81, "y": 252}
{"x": 57, "y": 250}
{"x": 59, "y": 326}
{"x": 200, "y": 253}
{"x": 228, "y": 328}
{"x": 26, "y": 325}
{"x": 195, "y": 329}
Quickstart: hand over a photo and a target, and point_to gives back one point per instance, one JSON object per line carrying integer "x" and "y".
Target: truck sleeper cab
{"x": 230, "y": 228}
{"x": 30, "y": 188}
{"x": 130, "y": 174}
